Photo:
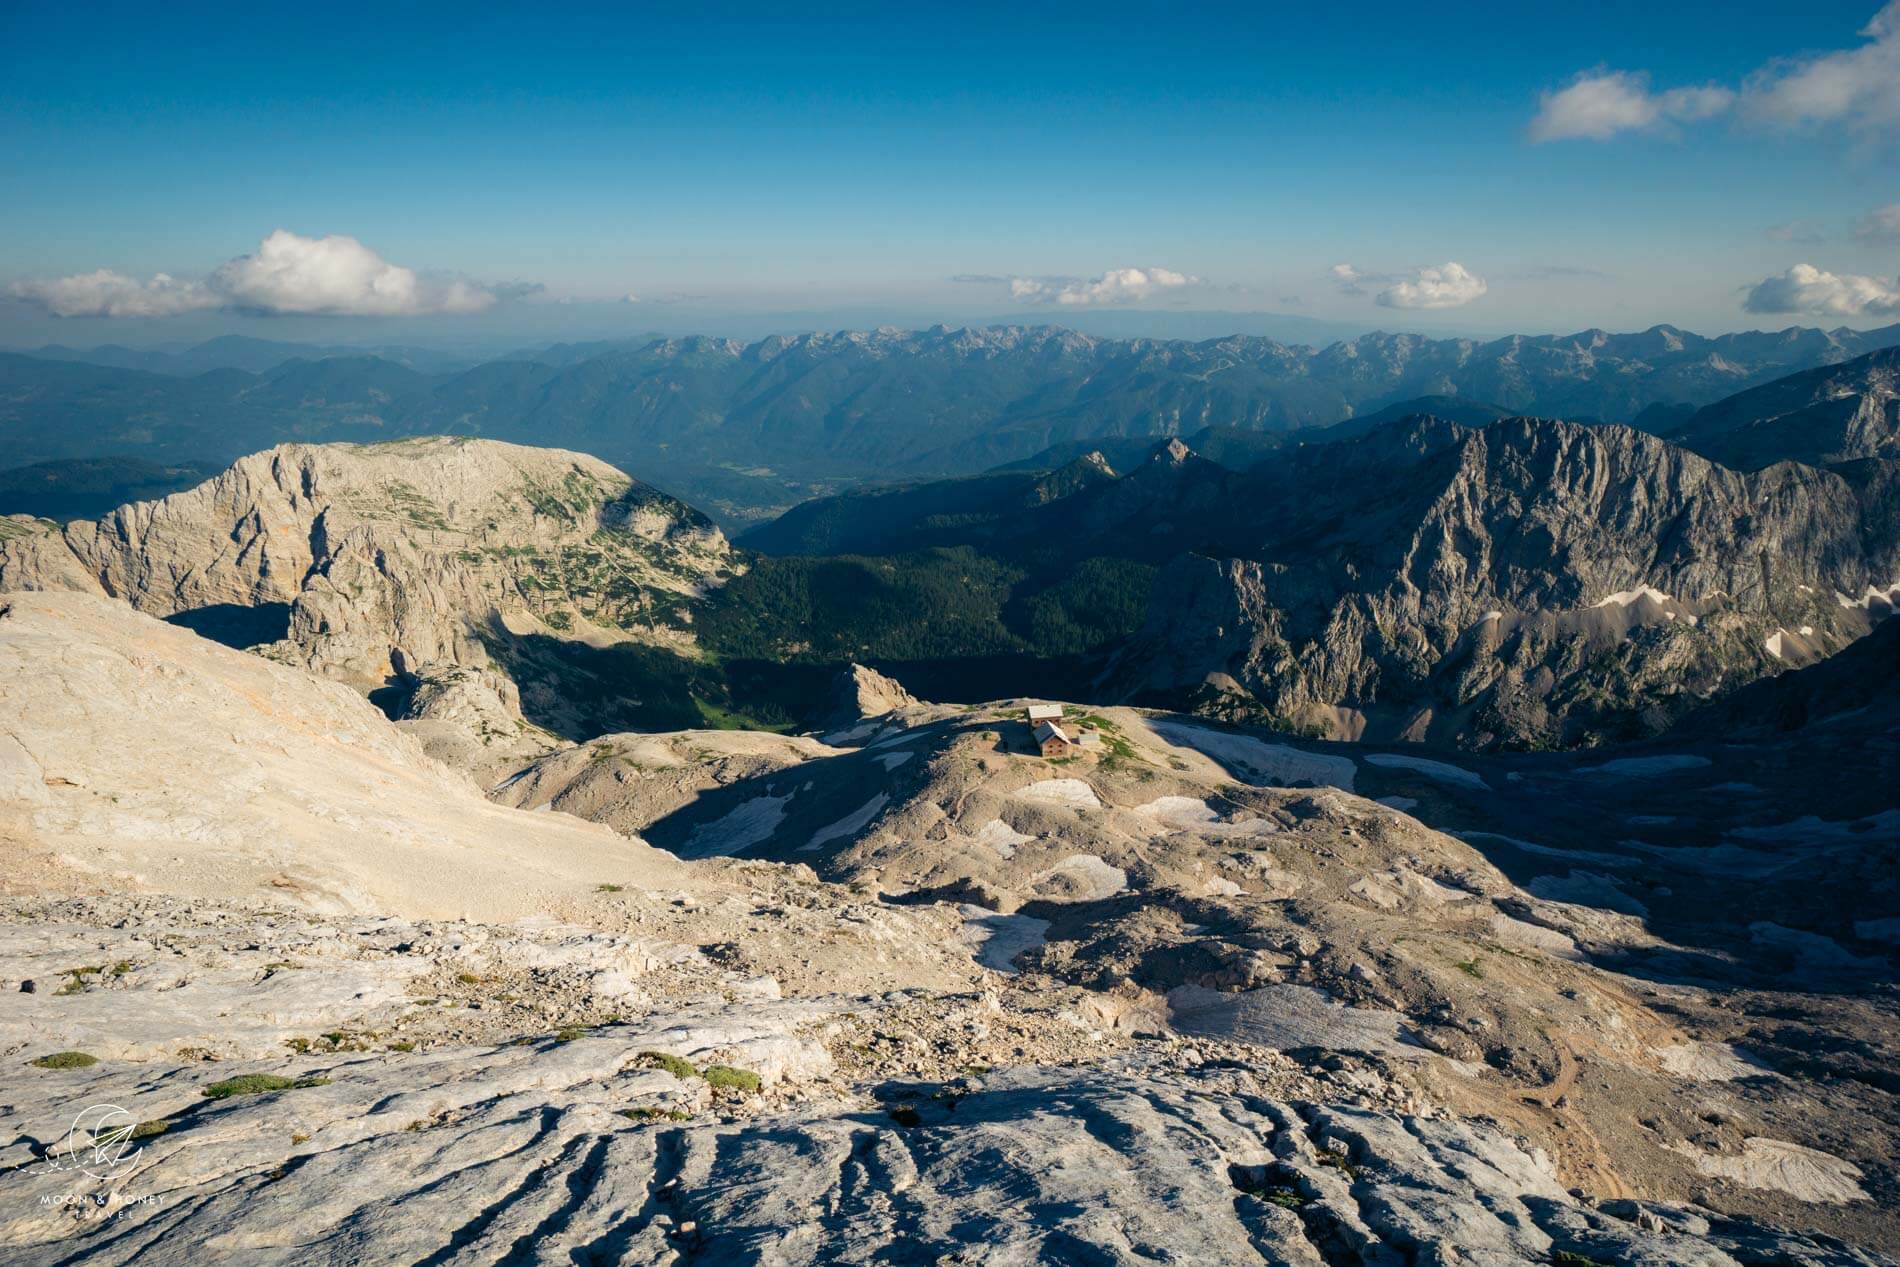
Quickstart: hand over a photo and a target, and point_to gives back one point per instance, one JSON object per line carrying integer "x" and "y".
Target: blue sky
{"x": 761, "y": 160}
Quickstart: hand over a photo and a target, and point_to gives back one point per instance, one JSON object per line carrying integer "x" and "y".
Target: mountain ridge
{"x": 747, "y": 426}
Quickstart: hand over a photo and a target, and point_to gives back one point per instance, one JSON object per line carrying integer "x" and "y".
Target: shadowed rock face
{"x": 1833, "y": 414}
{"x": 1532, "y": 584}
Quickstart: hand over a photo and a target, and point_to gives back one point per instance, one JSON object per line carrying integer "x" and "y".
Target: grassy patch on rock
{"x": 258, "y": 1084}
{"x": 66, "y": 1060}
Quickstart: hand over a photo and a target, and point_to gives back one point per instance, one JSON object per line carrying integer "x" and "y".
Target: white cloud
{"x": 1881, "y": 226}
{"x": 1449, "y": 285}
{"x": 288, "y": 274}
{"x": 1350, "y": 279}
{"x": 1816, "y": 292}
{"x": 1596, "y": 106}
{"x": 1117, "y": 286}
{"x": 337, "y": 276}
{"x": 108, "y": 294}
{"x": 1855, "y": 87}
{"x": 1859, "y": 86}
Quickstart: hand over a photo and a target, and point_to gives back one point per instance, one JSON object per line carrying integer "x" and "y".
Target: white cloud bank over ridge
{"x": 1448, "y": 285}
{"x": 1117, "y": 286}
{"x": 108, "y": 294}
{"x": 334, "y": 276}
{"x": 1857, "y": 87}
{"x": 1816, "y": 292}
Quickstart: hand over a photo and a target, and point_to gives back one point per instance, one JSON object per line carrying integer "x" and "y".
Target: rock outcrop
{"x": 573, "y": 1152}
{"x": 1534, "y": 583}
{"x": 859, "y": 695}
{"x": 396, "y": 563}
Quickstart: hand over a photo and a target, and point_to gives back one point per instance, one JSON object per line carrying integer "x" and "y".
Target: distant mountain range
{"x": 748, "y": 429}
{"x": 239, "y": 352}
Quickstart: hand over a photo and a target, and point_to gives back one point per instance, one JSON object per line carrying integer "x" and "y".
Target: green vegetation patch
{"x": 723, "y": 1077}
{"x": 678, "y": 1066}
{"x": 66, "y": 1060}
{"x": 647, "y": 1113}
{"x": 258, "y": 1084}
{"x": 729, "y": 1078}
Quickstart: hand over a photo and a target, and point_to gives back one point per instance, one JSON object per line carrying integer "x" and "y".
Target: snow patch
{"x": 1806, "y": 1174}
{"x": 1092, "y": 879}
{"x": 1889, "y": 596}
{"x": 848, "y": 824}
{"x": 1188, "y": 813}
{"x": 1061, "y": 792}
{"x": 999, "y": 940}
{"x": 1436, "y": 771}
{"x": 740, "y": 829}
{"x": 1403, "y": 804}
{"x": 1646, "y": 767}
{"x": 1552, "y": 851}
{"x": 1517, "y": 932}
{"x": 1586, "y": 888}
{"x": 891, "y": 760}
{"x": 845, "y": 738}
{"x": 1178, "y": 811}
{"x": 1623, "y": 598}
{"x": 1710, "y": 1062}
{"x": 1773, "y": 645}
{"x": 1273, "y": 764}
{"x": 1812, "y": 952}
{"x": 1001, "y": 837}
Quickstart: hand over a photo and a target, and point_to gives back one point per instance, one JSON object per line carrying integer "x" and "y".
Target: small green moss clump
{"x": 76, "y": 979}
{"x": 66, "y": 1060}
{"x": 647, "y": 1113}
{"x": 725, "y": 1076}
{"x": 678, "y": 1066}
{"x": 258, "y": 1084}
{"x": 146, "y": 1130}
{"x": 609, "y": 888}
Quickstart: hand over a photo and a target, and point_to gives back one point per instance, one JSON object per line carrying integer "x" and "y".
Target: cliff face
{"x": 1832, "y": 414}
{"x": 393, "y": 563}
{"x": 1531, "y": 583}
